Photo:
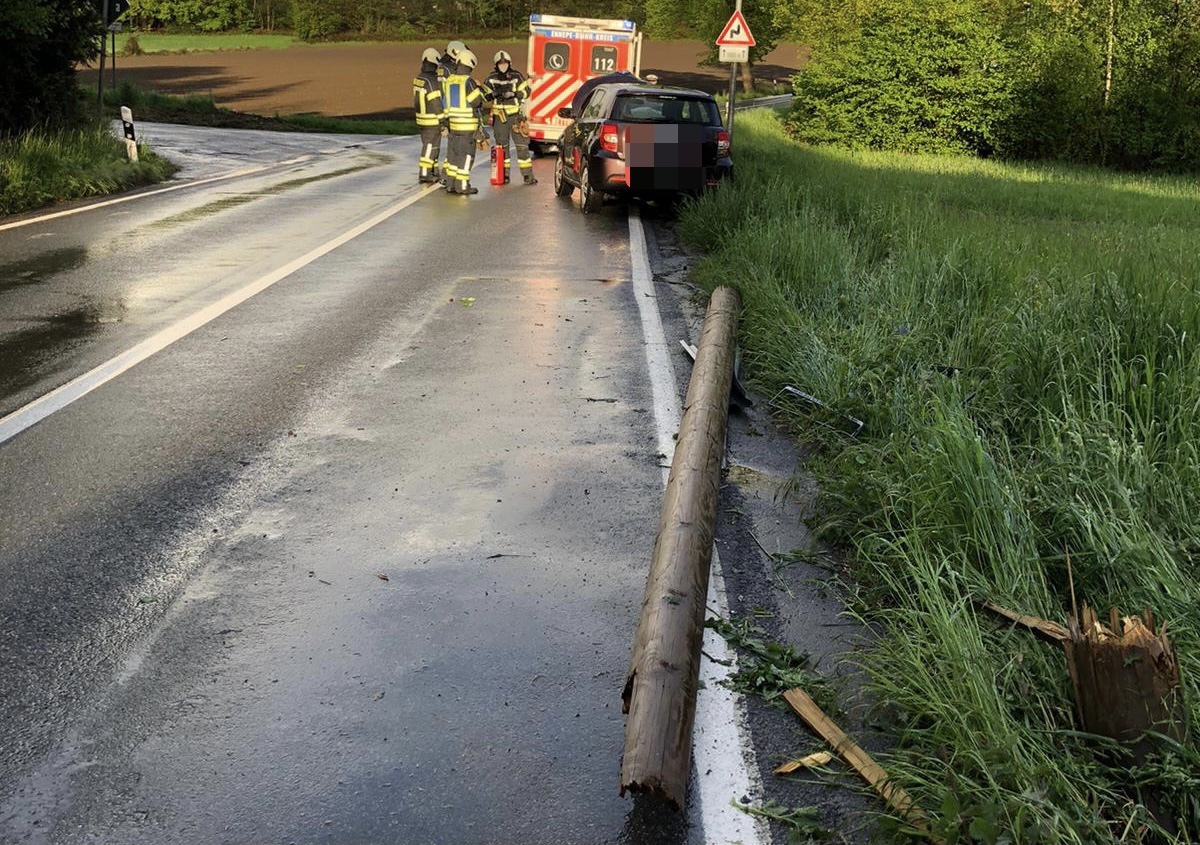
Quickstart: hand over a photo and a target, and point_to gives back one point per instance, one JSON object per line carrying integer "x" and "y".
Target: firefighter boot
{"x": 530, "y": 179}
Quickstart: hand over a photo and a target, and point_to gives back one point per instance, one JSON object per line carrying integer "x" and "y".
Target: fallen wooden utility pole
{"x": 660, "y": 689}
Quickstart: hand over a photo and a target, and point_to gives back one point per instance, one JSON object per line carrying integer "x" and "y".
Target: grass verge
{"x": 42, "y": 167}
{"x": 201, "y": 110}
{"x": 137, "y": 43}
{"x": 1022, "y": 344}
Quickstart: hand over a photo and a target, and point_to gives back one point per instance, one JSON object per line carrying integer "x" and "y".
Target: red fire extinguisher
{"x": 499, "y": 164}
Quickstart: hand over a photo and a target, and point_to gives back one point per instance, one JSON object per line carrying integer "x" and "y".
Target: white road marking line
{"x": 247, "y": 171}
{"x": 721, "y": 752}
{"x": 61, "y": 397}
{"x": 667, "y": 413}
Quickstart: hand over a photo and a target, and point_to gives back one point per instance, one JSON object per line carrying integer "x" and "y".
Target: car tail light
{"x": 723, "y": 143}
{"x": 610, "y": 134}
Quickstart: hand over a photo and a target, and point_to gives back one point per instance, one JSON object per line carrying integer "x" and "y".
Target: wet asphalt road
{"x": 358, "y": 560}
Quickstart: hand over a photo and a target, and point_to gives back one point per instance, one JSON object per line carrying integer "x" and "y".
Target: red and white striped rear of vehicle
{"x": 563, "y": 52}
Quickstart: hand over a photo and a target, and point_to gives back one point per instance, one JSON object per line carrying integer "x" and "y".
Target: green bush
{"x": 930, "y": 78}
{"x": 1021, "y": 81}
{"x": 41, "y": 43}
{"x": 196, "y": 15}
{"x": 313, "y": 19}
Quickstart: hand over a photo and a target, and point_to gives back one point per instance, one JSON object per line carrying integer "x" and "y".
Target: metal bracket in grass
{"x": 856, "y": 425}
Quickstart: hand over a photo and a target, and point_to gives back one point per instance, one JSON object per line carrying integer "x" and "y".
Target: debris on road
{"x": 819, "y": 758}
{"x": 850, "y": 751}
{"x": 856, "y": 425}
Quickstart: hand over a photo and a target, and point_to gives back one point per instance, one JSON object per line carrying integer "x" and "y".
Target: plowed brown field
{"x": 375, "y": 80}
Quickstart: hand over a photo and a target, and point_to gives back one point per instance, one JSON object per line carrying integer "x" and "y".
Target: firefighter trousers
{"x": 431, "y": 148}
{"x": 506, "y": 129}
{"x": 461, "y": 156}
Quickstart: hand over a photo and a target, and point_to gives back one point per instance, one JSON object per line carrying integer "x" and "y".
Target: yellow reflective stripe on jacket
{"x": 463, "y": 98}
{"x": 427, "y": 101}
{"x": 516, "y": 82}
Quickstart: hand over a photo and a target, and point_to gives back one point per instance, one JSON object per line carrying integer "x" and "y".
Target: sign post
{"x": 112, "y": 9}
{"x": 734, "y": 45}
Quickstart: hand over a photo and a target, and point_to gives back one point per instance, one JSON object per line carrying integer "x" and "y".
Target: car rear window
{"x": 641, "y": 108}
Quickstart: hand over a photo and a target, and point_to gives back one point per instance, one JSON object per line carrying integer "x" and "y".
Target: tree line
{"x": 1108, "y": 82}
{"x": 1111, "y": 82}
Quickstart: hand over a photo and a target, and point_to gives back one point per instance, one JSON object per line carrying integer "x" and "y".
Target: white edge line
{"x": 721, "y": 752}
{"x": 59, "y": 398}
{"x": 247, "y": 171}
{"x": 667, "y": 411}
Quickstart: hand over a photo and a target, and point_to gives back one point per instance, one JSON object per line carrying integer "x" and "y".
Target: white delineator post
{"x": 130, "y": 135}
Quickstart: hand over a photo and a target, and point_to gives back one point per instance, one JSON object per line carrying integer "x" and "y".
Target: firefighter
{"x": 450, "y": 58}
{"x": 464, "y": 113}
{"x": 507, "y": 89}
{"x": 445, "y": 68}
{"x": 427, "y": 103}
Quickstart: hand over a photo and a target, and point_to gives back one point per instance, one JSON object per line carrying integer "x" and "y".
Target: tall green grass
{"x": 47, "y": 166}
{"x": 1022, "y": 343}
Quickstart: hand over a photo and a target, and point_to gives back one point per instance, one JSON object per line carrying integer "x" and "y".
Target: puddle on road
{"x": 217, "y": 206}
{"x": 31, "y": 354}
{"x": 32, "y": 271}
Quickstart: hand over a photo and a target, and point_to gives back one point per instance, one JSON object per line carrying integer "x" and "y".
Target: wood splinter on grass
{"x": 850, "y": 751}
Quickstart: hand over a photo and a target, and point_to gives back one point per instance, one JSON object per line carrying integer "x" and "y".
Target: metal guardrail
{"x": 763, "y": 102}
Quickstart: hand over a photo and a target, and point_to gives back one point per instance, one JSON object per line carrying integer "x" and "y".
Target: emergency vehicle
{"x": 563, "y": 52}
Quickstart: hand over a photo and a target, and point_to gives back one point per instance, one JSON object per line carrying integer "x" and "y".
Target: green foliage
{"x": 1038, "y": 79}
{"x": 803, "y": 824}
{"x": 313, "y": 19}
{"x": 1023, "y": 345}
{"x": 41, "y": 167}
{"x": 41, "y": 42}
{"x": 925, "y": 79}
{"x": 199, "y": 15}
{"x": 768, "y": 669}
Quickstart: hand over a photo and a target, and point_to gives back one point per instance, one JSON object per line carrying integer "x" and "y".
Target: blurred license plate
{"x": 665, "y": 157}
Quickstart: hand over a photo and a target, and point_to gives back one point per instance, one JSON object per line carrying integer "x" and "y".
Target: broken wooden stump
{"x": 1126, "y": 680}
{"x": 1124, "y": 676}
{"x": 660, "y": 689}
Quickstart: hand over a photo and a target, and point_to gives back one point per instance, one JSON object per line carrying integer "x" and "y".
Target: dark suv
{"x": 643, "y": 141}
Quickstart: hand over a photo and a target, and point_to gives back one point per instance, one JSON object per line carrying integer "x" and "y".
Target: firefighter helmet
{"x": 467, "y": 58}
{"x": 431, "y": 55}
{"x": 454, "y": 48}
{"x": 502, "y": 56}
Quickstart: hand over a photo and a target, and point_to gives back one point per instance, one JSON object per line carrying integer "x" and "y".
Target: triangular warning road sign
{"x": 736, "y": 33}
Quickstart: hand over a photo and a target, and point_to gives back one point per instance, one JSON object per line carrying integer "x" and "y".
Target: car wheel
{"x": 561, "y": 186}
{"x": 589, "y": 198}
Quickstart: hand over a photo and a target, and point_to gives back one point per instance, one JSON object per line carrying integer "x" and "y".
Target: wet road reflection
{"x": 42, "y": 349}
{"x": 32, "y": 271}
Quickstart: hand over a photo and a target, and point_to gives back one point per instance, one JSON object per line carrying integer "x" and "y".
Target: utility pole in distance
{"x": 103, "y": 47}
